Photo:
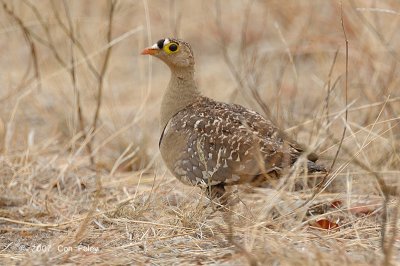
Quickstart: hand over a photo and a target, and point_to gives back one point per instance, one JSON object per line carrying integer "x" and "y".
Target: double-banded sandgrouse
{"x": 214, "y": 144}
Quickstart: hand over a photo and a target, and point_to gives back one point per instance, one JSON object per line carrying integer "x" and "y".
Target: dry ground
{"x": 283, "y": 57}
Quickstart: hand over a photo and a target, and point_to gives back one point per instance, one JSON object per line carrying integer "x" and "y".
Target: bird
{"x": 214, "y": 144}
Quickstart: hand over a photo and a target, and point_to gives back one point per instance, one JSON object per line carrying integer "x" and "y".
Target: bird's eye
{"x": 171, "y": 48}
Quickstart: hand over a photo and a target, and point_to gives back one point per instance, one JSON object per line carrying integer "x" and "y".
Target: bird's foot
{"x": 220, "y": 198}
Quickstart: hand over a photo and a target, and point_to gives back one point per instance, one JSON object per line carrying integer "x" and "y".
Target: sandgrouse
{"x": 214, "y": 144}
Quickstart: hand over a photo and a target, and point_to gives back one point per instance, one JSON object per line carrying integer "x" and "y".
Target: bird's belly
{"x": 183, "y": 160}
{"x": 195, "y": 160}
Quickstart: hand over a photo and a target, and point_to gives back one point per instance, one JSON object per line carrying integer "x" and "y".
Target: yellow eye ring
{"x": 171, "y": 48}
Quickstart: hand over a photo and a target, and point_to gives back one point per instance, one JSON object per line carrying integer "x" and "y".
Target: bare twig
{"x": 75, "y": 41}
{"x": 329, "y": 88}
{"x": 103, "y": 71}
{"x": 73, "y": 71}
{"x": 321, "y": 184}
{"x": 83, "y": 226}
{"x": 387, "y": 245}
{"x": 236, "y": 73}
{"x": 346, "y": 87}
{"x": 375, "y": 32}
{"x": 49, "y": 42}
{"x": 28, "y": 38}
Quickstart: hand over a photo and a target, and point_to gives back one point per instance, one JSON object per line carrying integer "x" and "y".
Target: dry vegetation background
{"x": 79, "y": 160}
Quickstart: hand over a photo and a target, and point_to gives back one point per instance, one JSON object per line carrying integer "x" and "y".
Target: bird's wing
{"x": 259, "y": 124}
{"x": 227, "y": 141}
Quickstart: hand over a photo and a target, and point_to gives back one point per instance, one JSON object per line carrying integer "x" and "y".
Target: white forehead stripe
{"x": 166, "y": 41}
{"x": 155, "y": 46}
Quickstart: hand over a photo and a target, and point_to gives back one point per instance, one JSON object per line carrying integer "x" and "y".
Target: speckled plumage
{"x": 209, "y": 143}
{"x": 226, "y": 143}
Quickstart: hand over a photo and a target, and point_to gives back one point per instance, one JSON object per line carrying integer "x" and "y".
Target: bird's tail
{"x": 315, "y": 168}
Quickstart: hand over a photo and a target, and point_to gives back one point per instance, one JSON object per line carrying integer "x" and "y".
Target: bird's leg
{"x": 267, "y": 180}
{"x": 216, "y": 191}
{"x": 218, "y": 194}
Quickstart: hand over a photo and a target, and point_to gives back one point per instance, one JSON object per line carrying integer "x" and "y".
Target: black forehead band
{"x": 160, "y": 43}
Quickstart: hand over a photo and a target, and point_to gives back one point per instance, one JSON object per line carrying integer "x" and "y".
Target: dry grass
{"x": 74, "y": 177}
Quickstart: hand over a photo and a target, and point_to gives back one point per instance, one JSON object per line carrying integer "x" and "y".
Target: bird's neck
{"x": 181, "y": 92}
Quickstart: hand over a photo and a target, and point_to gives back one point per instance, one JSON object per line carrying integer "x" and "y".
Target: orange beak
{"x": 150, "y": 51}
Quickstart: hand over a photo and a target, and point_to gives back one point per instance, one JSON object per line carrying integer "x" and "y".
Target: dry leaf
{"x": 362, "y": 210}
{"x": 325, "y": 224}
{"x": 336, "y": 204}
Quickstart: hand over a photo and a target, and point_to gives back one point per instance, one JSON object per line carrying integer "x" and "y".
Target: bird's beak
{"x": 150, "y": 51}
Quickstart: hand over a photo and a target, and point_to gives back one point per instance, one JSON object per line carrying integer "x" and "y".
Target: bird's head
{"x": 174, "y": 52}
